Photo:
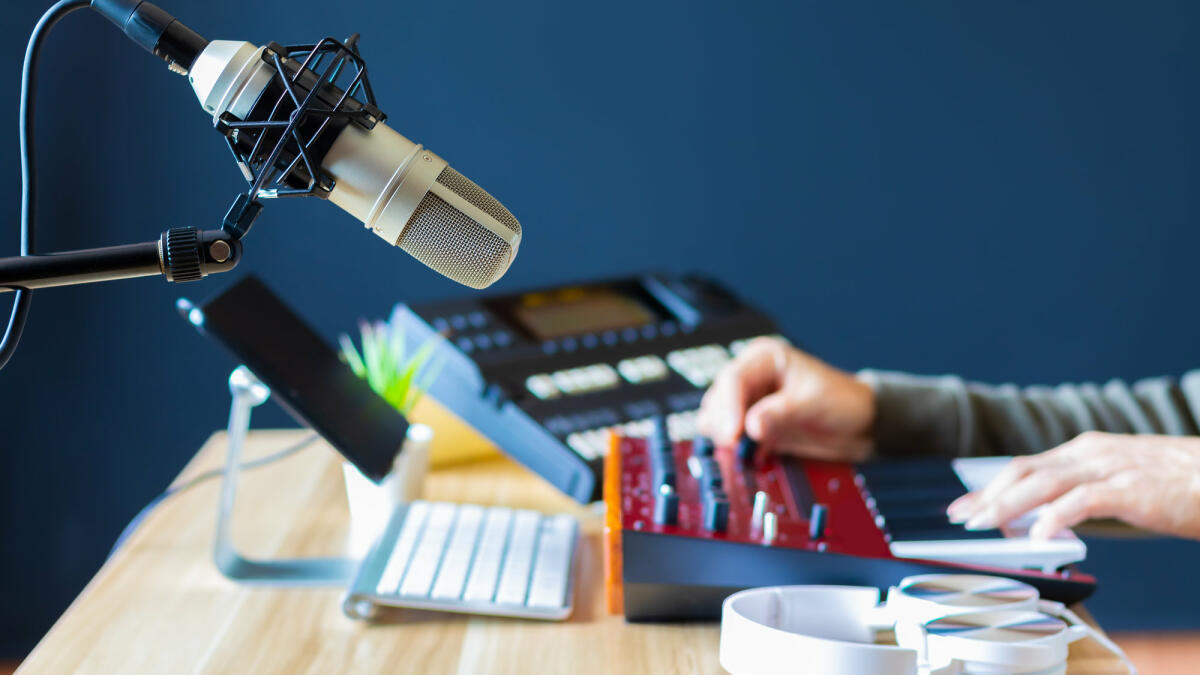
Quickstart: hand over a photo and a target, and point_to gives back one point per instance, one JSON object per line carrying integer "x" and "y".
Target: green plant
{"x": 399, "y": 378}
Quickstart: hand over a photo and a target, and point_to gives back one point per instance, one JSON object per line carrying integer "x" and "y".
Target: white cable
{"x": 1061, "y": 611}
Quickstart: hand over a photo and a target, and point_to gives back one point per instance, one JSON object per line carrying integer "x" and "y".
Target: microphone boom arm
{"x": 180, "y": 254}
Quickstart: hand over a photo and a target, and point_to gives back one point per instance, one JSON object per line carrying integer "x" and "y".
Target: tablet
{"x": 306, "y": 375}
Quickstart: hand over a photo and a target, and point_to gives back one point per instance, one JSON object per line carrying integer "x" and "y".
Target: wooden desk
{"x": 160, "y": 606}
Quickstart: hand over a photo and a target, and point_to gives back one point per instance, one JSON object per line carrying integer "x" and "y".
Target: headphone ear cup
{"x": 1016, "y": 642}
{"x": 930, "y": 596}
{"x": 976, "y": 623}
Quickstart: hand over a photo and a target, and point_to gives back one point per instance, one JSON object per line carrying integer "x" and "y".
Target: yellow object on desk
{"x": 454, "y": 441}
{"x": 160, "y": 605}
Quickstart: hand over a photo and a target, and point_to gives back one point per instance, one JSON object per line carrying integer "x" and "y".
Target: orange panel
{"x": 614, "y": 592}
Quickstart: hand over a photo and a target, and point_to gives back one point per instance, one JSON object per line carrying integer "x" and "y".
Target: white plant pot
{"x": 372, "y": 504}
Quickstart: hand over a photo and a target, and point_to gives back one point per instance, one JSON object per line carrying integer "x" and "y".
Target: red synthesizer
{"x": 688, "y": 524}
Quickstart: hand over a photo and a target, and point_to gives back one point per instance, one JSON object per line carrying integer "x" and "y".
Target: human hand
{"x": 1151, "y": 482}
{"x": 789, "y": 401}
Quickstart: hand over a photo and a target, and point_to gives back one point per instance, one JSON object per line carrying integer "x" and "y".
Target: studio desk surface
{"x": 160, "y": 605}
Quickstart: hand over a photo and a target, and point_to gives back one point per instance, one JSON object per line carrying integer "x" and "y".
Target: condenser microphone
{"x": 302, "y": 120}
{"x": 400, "y": 190}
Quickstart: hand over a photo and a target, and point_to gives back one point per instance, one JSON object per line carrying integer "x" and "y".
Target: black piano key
{"x": 900, "y": 499}
{"x": 948, "y": 533}
{"x": 914, "y": 509}
{"x": 897, "y": 525}
{"x": 902, "y": 471}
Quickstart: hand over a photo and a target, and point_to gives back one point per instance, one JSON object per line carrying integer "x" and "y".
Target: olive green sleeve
{"x": 947, "y": 416}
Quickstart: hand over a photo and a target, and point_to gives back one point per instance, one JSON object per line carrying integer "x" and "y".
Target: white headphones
{"x": 944, "y": 624}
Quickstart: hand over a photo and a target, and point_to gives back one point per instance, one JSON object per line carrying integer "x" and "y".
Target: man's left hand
{"x": 1151, "y": 482}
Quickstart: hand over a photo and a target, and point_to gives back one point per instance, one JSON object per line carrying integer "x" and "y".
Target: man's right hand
{"x": 790, "y": 402}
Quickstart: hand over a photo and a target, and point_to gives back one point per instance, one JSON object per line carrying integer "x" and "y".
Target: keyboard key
{"x": 542, "y": 386}
{"x": 393, "y": 571}
{"x": 514, "y": 576}
{"x": 552, "y": 569}
{"x": 489, "y": 560}
{"x": 428, "y": 554}
{"x": 481, "y": 582}
{"x": 452, "y": 578}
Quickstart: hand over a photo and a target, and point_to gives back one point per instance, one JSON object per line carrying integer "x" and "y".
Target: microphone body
{"x": 400, "y": 190}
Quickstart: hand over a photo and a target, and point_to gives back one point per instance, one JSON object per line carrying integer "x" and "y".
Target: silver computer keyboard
{"x": 469, "y": 558}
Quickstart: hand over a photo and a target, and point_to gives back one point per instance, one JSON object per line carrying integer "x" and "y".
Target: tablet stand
{"x": 248, "y": 392}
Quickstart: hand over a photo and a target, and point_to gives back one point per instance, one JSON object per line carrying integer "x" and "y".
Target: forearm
{"x": 946, "y": 416}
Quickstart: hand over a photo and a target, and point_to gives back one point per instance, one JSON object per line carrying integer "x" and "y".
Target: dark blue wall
{"x": 1004, "y": 190}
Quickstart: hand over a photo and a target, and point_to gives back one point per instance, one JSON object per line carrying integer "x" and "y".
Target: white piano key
{"x": 452, "y": 577}
{"x": 481, "y": 582}
{"x": 552, "y": 569}
{"x": 1014, "y": 552}
{"x": 393, "y": 571}
{"x": 428, "y": 554}
{"x": 514, "y": 574}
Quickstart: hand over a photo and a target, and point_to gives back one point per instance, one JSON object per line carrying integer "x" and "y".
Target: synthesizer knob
{"x": 760, "y": 509}
{"x": 716, "y": 512}
{"x": 816, "y": 522}
{"x": 713, "y": 481}
{"x": 660, "y": 436}
{"x": 746, "y": 448}
{"x": 702, "y": 446}
{"x": 666, "y": 506}
{"x": 770, "y": 528}
{"x": 666, "y": 476}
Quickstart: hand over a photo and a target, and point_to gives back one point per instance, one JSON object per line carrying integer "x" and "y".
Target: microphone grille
{"x": 452, "y": 243}
{"x": 478, "y": 197}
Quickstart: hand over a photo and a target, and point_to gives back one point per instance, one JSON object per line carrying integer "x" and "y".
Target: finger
{"x": 774, "y": 418}
{"x": 755, "y": 373}
{"x": 777, "y": 422}
{"x": 1041, "y": 485}
{"x": 1020, "y": 467}
{"x": 1028, "y": 482}
{"x": 960, "y": 509}
{"x": 1015, "y": 470}
{"x": 1100, "y": 499}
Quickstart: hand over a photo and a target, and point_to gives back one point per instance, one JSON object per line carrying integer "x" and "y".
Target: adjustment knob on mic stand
{"x": 181, "y": 254}
{"x": 187, "y": 254}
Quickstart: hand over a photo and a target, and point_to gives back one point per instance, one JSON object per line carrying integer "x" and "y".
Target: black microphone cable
{"x": 23, "y": 296}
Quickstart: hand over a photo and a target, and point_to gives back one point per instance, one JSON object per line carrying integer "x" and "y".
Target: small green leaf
{"x": 385, "y": 364}
{"x": 350, "y": 355}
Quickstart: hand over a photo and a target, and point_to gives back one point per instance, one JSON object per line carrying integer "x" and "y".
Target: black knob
{"x": 713, "y": 481}
{"x": 666, "y": 507}
{"x": 817, "y": 519}
{"x": 746, "y": 448}
{"x": 666, "y": 476}
{"x": 716, "y": 513}
{"x": 660, "y": 430}
{"x": 702, "y": 446}
{"x": 181, "y": 259}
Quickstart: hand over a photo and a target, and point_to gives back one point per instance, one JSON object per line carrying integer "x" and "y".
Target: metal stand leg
{"x": 248, "y": 392}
